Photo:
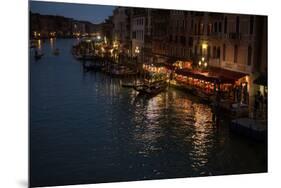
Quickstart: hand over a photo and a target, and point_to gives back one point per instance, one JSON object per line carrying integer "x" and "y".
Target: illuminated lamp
{"x": 204, "y": 46}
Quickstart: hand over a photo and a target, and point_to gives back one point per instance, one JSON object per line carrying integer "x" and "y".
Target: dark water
{"x": 86, "y": 128}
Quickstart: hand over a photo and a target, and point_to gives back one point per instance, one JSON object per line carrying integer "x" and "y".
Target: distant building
{"x": 106, "y": 29}
{"x": 45, "y": 26}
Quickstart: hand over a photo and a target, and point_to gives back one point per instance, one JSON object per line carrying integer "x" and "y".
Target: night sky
{"x": 92, "y": 13}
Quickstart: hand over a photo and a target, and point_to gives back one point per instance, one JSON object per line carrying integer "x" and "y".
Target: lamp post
{"x": 202, "y": 63}
{"x": 137, "y": 51}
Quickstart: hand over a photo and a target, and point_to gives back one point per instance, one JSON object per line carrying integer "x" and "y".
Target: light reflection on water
{"x": 202, "y": 138}
{"x": 86, "y": 128}
{"x": 52, "y": 43}
{"x": 39, "y": 45}
{"x": 152, "y": 116}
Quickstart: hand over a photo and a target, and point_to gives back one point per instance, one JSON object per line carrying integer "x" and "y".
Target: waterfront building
{"x": 141, "y": 33}
{"x": 78, "y": 29}
{"x": 228, "y": 46}
{"x": 244, "y": 50}
{"x": 45, "y": 26}
{"x": 121, "y": 30}
{"x": 105, "y": 30}
{"x": 159, "y": 22}
{"x": 226, "y": 52}
{"x": 179, "y": 41}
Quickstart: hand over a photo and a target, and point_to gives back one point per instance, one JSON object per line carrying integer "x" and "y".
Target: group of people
{"x": 240, "y": 94}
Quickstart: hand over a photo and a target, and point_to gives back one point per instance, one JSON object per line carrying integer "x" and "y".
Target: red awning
{"x": 197, "y": 75}
{"x": 226, "y": 76}
{"x": 213, "y": 74}
{"x": 168, "y": 66}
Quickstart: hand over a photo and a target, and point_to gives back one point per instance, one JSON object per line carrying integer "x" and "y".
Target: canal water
{"x": 86, "y": 128}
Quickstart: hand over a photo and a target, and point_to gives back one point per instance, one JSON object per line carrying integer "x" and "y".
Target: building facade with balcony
{"x": 231, "y": 42}
{"x": 140, "y": 33}
{"x": 213, "y": 42}
{"x": 121, "y": 29}
{"x": 179, "y": 41}
{"x": 159, "y": 33}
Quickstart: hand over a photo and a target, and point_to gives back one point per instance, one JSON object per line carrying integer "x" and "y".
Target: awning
{"x": 213, "y": 74}
{"x": 226, "y": 76}
{"x": 168, "y": 66}
{"x": 196, "y": 75}
{"x": 261, "y": 80}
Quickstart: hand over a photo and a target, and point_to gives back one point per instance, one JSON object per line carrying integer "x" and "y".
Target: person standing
{"x": 245, "y": 95}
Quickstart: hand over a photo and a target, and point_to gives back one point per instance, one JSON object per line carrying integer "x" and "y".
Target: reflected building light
{"x": 52, "y": 43}
{"x": 39, "y": 44}
{"x": 201, "y": 144}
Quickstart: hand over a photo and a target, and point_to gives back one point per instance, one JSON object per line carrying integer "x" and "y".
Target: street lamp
{"x": 204, "y": 46}
{"x": 203, "y": 62}
{"x": 137, "y": 51}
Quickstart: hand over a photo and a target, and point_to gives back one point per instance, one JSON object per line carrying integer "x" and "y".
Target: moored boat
{"x": 151, "y": 88}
